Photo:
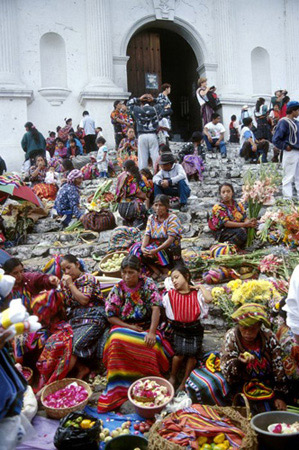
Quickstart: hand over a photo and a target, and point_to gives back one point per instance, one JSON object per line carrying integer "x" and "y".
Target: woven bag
{"x": 99, "y": 221}
{"x": 236, "y": 414}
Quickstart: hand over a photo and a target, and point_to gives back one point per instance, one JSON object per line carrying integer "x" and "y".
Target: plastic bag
{"x": 70, "y": 438}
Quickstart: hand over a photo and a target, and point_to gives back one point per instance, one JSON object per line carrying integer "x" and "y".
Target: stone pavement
{"x": 47, "y": 239}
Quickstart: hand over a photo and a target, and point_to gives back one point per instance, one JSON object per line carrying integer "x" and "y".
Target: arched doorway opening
{"x": 162, "y": 56}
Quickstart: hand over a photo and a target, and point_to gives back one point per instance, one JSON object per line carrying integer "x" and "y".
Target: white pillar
{"x": 99, "y": 46}
{"x": 9, "y": 58}
{"x": 291, "y": 47}
{"x": 226, "y": 57}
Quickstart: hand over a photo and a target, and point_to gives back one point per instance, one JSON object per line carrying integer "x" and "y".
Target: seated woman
{"x": 228, "y": 220}
{"x": 67, "y": 202}
{"x": 160, "y": 248}
{"x": 134, "y": 348}
{"x": 85, "y": 313}
{"x": 184, "y": 306}
{"x": 251, "y": 359}
{"x": 193, "y": 163}
{"x": 37, "y": 175}
{"x": 132, "y": 190}
{"x": 27, "y": 286}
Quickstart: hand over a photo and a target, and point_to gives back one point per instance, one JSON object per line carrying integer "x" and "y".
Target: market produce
{"x": 103, "y": 198}
{"x": 106, "y": 435}
{"x": 71, "y": 395}
{"x": 284, "y": 428}
{"x": 149, "y": 393}
{"x": 79, "y": 422}
{"x": 113, "y": 264}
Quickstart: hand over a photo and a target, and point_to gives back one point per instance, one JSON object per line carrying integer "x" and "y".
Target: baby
{"x": 51, "y": 176}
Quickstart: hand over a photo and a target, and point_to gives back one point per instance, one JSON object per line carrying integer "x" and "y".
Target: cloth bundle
{"x": 16, "y": 319}
{"x": 256, "y": 390}
{"x": 222, "y": 249}
{"x": 215, "y": 276}
{"x": 99, "y": 221}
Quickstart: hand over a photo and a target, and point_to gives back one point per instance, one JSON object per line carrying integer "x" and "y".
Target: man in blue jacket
{"x": 286, "y": 138}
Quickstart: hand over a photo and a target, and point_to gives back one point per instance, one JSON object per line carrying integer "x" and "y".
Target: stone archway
{"x": 157, "y": 48}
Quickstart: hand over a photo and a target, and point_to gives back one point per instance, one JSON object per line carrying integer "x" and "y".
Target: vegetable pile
{"x": 80, "y": 422}
{"x": 149, "y": 393}
{"x": 113, "y": 264}
{"x": 218, "y": 443}
{"x": 71, "y": 395}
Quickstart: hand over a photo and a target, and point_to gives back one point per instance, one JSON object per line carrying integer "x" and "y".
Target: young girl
{"x": 102, "y": 157}
{"x": 184, "y": 306}
{"x": 234, "y": 135}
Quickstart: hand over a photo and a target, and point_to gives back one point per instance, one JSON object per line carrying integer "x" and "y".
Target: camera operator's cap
{"x": 293, "y": 104}
{"x": 245, "y": 107}
{"x": 167, "y": 158}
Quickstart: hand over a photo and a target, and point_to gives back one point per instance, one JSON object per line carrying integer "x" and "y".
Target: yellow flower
{"x": 234, "y": 284}
{"x": 217, "y": 292}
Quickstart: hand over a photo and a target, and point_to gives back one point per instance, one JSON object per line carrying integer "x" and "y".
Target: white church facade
{"x": 59, "y": 58}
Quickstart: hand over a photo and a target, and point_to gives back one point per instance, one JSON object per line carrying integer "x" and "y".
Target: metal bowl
{"x": 127, "y": 442}
{"x": 272, "y": 441}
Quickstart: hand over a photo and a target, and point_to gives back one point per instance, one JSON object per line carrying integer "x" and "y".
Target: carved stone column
{"x": 224, "y": 36}
{"x": 99, "y": 46}
{"x": 9, "y": 44}
{"x": 292, "y": 39}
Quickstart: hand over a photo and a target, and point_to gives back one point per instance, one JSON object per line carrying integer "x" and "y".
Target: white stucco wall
{"x": 253, "y": 24}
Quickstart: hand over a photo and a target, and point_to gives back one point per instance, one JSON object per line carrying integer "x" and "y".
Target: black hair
{"x": 164, "y": 149}
{"x": 226, "y": 184}
{"x": 73, "y": 260}
{"x": 58, "y": 128}
{"x": 11, "y": 264}
{"x": 165, "y": 86}
{"x": 247, "y": 121}
{"x": 59, "y": 140}
{"x": 33, "y": 131}
{"x": 183, "y": 271}
{"x": 285, "y": 99}
{"x": 260, "y": 101}
{"x": 147, "y": 173}
{"x": 67, "y": 120}
{"x": 51, "y": 133}
{"x": 67, "y": 164}
{"x": 101, "y": 140}
{"x": 117, "y": 102}
{"x": 291, "y": 109}
{"x": 214, "y": 116}
{"x": 131, "y": 167}
{"x": 85, "y": 113}
{"x": 196, "y": 136}
{"x": 132, "y": 262}
{"x": 233, "y": 118}
{"x": 72, "y": 141}
{"x": 164, "y": 199}
{"x": 71, "y": 134}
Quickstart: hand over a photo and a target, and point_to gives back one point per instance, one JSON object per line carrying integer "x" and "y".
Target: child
{"x": 51, "y": 176}
{"x": 233, "y": 130}
{"x": 102, "y": 157}
{"x": 184, "y": 306}
{"x": 50, "y": 143}
{"x": 61, "y": 150}
{"x": 150, "y": 196}
{"x": 67, "y": 168}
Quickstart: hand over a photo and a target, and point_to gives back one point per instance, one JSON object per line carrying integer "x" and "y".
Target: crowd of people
{"x": 138, "y": 329}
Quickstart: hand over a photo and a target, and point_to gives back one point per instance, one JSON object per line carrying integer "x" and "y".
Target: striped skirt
{"x": 47, "y": 191}
{"x": 127, "y": 358}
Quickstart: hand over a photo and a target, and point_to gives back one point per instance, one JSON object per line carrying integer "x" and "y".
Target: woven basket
{"x": 236, "y": 414}
{"x": 58, "y": 413}
{"x": 109, "y": 256}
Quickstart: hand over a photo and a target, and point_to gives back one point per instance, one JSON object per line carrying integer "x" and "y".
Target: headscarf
{"x": 73, "y": 175}
{"x": 251, "y": 313}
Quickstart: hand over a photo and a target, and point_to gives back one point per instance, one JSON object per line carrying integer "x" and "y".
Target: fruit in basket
{"x": 71, "y": 395}
{"x": 113, "y": 264}
{"x": 149, "y": 393}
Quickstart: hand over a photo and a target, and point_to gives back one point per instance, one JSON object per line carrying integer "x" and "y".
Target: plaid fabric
{"x": 47, "y": 191}
{"x": 186, "y": 339}
{"x": 88, "y": 325}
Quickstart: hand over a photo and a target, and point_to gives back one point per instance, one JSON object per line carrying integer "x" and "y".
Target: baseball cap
{"x": 293, "y": 104}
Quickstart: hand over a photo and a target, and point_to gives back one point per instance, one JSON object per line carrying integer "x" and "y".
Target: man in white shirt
{"x": 172, "y": 180}
{"x": 89, "y": 127}
{"x": 214, "y": 135}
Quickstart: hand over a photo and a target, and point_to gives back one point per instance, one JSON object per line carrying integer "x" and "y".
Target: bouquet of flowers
{"x": 237, "y": 292}
{"x": 258, "y": 189}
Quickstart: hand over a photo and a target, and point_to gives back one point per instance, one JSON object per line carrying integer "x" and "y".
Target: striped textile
{"x": 127, "y": 358}
{"x": 208, "y": 388}
{"x": 161, "y": 257}
{"x": 186, "y": 425}
{"x": 185, "y": 307}
{"x": 47, "y": 191}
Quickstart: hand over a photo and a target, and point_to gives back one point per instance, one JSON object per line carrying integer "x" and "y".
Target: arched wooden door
{"x": 144, "y": 66}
